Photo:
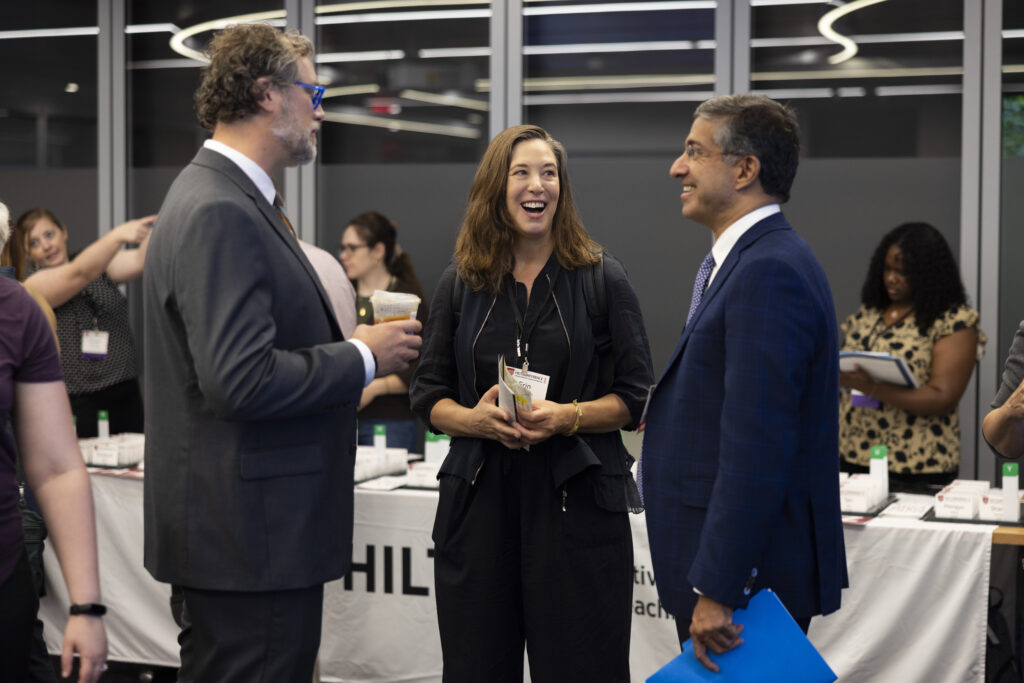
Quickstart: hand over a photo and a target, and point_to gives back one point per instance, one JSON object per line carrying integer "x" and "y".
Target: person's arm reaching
{"x": 59, "y": 284}
{"x": 56, "y": 474}
{"x": 1003, "y": 427}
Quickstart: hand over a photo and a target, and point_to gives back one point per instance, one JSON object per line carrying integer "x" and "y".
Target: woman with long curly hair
{"x": 532, "y": 537}
{"x": 913, "y": 306}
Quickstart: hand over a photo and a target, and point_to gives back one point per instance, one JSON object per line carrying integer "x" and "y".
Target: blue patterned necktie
{"x": 699, "y": 284}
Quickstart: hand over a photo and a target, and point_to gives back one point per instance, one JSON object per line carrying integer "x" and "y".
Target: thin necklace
{"x": 895, "y": 316}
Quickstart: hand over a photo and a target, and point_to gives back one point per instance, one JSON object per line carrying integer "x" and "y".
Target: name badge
{"x": 860, "y": 400}
{"x": 536, "y": 382}
{"x": 94, "y": 344}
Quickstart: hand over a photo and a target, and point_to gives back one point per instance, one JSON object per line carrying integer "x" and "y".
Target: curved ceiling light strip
{"x": 392, "y": 4}
{"x": 395, "y": 125}
{"x": 444, "y": 99}
{"x": 179, "y": 38}
{"x": 830, "y": 17}
{"x": 346, "y": 90}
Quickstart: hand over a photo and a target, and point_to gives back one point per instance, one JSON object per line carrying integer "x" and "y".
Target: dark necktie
{"x": 279, "y": 204}
{"x": 700, "y": 283}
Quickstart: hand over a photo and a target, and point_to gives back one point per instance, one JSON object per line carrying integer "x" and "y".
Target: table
{"x": 916, "y": 610}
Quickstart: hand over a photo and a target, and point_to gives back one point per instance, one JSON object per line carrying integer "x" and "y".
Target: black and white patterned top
{"x": 99, "y": 306}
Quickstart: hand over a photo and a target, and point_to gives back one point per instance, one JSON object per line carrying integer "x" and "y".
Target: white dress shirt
{"x": 731, "y": 235}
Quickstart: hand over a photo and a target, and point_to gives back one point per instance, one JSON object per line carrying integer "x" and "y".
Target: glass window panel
{"x": 895, "y": 93}
{"x": 591, "y": 66}
{"x": 404, "y": 82}
{"x": 407, "y": 119}
{"x": 881, "y": 129}
{"x": 1011, "y": 237}
{"x": 161, "y": 81}
{"x": 48, "y": 99}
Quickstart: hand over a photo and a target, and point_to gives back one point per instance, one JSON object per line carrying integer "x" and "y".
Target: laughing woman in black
{"x": 532, "y": 535}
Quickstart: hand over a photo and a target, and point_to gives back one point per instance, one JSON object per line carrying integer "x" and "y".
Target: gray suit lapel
{"x": 222, "y": 164}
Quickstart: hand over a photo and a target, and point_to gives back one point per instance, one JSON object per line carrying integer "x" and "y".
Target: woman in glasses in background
{"x": 373, "y": 260}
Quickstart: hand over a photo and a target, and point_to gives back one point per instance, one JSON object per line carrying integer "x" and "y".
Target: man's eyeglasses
{"x": 318, "y": 92}
{"x": 350, "y": 248}
{"x": 695, "y": 152}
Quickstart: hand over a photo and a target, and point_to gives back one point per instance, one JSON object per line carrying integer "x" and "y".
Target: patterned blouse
{"x": 100, "y": 305}
{"x": 917, "y": 444}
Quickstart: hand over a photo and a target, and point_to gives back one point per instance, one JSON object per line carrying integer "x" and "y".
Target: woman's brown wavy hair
{"x": 483, "y": 250}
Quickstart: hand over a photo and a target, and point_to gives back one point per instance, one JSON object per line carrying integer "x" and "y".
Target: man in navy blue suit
{"x": 740, "y": 460}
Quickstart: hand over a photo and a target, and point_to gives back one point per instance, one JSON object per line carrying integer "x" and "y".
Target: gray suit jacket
{"x": 250, "y": 396}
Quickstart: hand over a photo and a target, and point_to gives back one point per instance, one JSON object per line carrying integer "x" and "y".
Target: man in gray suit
{"x": 250, "y": 388}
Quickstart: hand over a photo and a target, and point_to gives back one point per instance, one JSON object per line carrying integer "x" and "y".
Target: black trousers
{"x": 511, "y": 567}
{"x": 235, "y": 637}
{"x": 18, "y": 605}
{"x": 123, "y": 403}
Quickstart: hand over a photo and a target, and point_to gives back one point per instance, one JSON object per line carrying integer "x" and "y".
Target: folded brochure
{"x": 511, "y": 393}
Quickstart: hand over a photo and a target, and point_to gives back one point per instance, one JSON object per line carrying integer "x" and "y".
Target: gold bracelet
{"x": 579, "y": 414}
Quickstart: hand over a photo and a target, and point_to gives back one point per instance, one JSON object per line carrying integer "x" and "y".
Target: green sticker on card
{"x": 1011, "y": 469}
{"x": 881, "y": 451}
{"x": 379, "y": 430}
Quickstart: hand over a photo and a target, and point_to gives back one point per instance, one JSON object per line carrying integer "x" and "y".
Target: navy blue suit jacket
{"x": 741, "y": 455}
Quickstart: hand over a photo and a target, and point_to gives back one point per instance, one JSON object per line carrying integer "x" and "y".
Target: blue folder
{"x": 774, "y": 649}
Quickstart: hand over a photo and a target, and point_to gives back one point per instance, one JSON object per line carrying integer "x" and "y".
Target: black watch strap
{"x": 92, "y": 609}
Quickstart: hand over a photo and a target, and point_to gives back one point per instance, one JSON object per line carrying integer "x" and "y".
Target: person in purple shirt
{"x": 32, "y": 397}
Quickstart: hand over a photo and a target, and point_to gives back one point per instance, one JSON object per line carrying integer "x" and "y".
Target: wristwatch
{"x": 92, "y": 609}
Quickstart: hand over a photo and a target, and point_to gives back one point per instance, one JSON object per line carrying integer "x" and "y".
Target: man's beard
{"x": 294, "y": 138}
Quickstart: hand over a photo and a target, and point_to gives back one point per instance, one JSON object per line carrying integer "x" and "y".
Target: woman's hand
{"x": 134, "y": 231}
{"x": 489, "y": 421}
{"x": 86, "y": 636}
{"x": 858, "y": 379}
{"x": 545, "y": 420}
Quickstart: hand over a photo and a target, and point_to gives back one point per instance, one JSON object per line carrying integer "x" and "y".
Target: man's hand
{"x": 711, "y": 628}
{"x": 395, "y": 344}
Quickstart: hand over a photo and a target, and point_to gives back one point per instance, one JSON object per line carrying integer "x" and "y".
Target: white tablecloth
{"x": 916, "y": 610}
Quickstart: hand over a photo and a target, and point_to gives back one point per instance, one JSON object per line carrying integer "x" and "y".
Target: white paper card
{"x": 95, "y": 344}
{"x": 534, "y": 381}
